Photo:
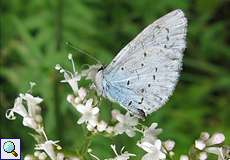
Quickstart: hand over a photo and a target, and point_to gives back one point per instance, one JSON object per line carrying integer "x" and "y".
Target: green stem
{"x": 86, "y": 145}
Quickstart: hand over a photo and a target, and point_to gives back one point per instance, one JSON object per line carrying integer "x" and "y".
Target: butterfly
{"x": 144, "y": 73}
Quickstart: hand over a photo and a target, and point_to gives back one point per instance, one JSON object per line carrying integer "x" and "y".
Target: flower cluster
{"x": 210, "y": 144}
{"x": 155, "y": 148}
{"x": 207, "y": 144}
{"x": 30, "y": 112}
{"x": 90, "y": 111}
{"x": 28, "y": 107}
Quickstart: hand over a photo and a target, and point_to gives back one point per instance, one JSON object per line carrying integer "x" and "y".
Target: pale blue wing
{"x": 144, "y": 74}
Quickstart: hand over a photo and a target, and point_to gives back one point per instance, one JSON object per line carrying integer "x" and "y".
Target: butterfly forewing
{"x": 144, "y": 73}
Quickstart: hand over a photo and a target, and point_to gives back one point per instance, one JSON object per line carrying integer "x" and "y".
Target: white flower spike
{"x": 70, "y": 78}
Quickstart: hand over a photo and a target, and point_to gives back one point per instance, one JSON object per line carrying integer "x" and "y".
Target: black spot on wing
{"x": 142, "y": 90}
{"x": 130, "y": 102}
{"x": 141, "y": 101}
{"x": 167, "y": 30}
{"x": 167, "y": 38}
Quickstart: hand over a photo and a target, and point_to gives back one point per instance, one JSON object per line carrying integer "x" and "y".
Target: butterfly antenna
{"x": 82, "y": 51}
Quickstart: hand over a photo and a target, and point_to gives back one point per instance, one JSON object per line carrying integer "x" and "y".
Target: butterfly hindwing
{"x": 144, "y": 73}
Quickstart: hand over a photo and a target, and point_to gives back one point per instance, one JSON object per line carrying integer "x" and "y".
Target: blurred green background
{"x": 33, "y": 35}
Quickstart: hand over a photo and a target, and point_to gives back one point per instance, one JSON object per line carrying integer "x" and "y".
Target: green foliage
{"x": 33, "y": 35}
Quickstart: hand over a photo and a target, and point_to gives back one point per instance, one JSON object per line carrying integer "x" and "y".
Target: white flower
{"x": 203, "y": 156}
{"x": 70, "y": 56}
{"x": 153, "y": 150}
{"x": 151, "y": 133}
{"x": 199, "y": 144}
{"x": 81, "y": 93}
{"x": 60, "y": 156}
{"x": 122, "y": 156}
{"x": 42, "y": 156}
{"x": 37, "y": 153}
{"x": 48, "y": 147}
{"x": 101, "y": 126}
{"x": 71, "y": 78}
{"x": 30, "y": 122}
{"x": 28, "y": 157}
{"x": 90, "y": 127}
{"x": 205, "y": 141}
{"x": 109, "y": 129}
{"x": 32, "y": 104}
{"x": 89, "y": 113}
{"x": 115, "y": 113}
{"x": 169, "y": 145}
{"x": 184, "y": 157}
{"x": 31, "y": 115}
{"x": 70, "y": 98}
{"x": 126, "y": 123}
{"x": 216, "y": 138}
{"x": 18, "y": 108}
{"x": 204, "y": 136}
{"x": 30, "y": 99}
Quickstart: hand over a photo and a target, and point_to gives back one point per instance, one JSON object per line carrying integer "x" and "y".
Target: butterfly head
{"x": 95, "y": 73}
{"x": 98, "y": 83}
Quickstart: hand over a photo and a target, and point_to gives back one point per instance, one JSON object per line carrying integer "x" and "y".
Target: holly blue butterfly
{"x": 144, "y": 73}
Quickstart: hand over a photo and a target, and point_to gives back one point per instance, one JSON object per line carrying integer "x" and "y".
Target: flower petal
{"x": 95, "y": 110}
{"x": 81, "y": 108}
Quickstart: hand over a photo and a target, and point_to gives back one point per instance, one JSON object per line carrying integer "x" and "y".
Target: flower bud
{"x": 203, "y": 156}
{"x": 204, "y": 136}
{"x": 199, "y": 144}
{"x": 28, "y": 157}
{"x": 184, "y": 157}
{"x": 42, "y": 156}
{"x": 216, "y": 138}
{"x": 37, "y": 153}
{"x": 101, "y": 126}
{"x": 169, "y": 145}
